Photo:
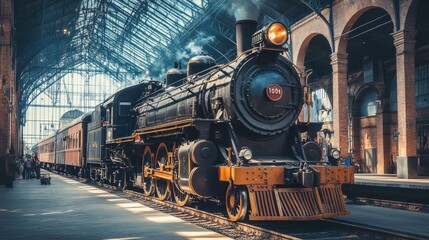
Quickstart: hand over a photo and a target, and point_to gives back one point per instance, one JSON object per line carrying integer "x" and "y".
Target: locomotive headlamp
{"x": 335, "y": 153}
{"x": 245, "y": 153}
{"x": 277, "y": 34}
{"x": 273, "y": 35}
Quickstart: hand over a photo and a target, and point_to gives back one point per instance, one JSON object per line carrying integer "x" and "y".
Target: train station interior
{"x": 153, "y": 94}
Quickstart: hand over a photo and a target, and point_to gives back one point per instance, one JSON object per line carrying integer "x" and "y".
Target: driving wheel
{"x": 162, "y": 185}
{"x": 148, "y": 183}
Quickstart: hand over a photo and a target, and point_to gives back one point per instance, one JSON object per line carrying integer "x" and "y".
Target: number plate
{"x": 274, "y": 92}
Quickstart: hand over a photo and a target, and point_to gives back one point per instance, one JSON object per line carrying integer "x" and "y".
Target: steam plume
{"x": 195, "y": 46}
{"x": 244, "y": 9}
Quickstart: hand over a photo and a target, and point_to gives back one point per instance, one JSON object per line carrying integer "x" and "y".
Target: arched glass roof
{"x": 129, "y": 35}
{"x": 125, "y": 39}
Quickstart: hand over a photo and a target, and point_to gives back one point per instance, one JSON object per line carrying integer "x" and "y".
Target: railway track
{"x": 211, "y": 216}
{"x": 321, "y": 229}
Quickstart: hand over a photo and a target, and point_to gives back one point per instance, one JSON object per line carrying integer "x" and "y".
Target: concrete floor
{"x": 389, "y": 219}
{"x": 67, "y": 209}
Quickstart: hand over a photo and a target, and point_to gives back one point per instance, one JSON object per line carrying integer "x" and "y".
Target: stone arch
{"x": 314, "y": 53}
{"x": 356, "y": 11}
{"x": 304, "y": 46}
{"x": 300, "y": 57}
{"x": 408, "y": 13}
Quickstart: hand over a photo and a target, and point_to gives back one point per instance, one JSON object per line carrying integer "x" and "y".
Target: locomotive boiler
{"x": 230, "y": 133}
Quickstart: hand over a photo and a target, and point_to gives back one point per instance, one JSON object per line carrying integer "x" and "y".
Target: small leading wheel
{"x": 162, "y": 185}
{"x": 236, "y": 203}
{"x": 148, "y": 184}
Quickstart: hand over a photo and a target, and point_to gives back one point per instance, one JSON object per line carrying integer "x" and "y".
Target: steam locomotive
{"x": 227, "y": 133}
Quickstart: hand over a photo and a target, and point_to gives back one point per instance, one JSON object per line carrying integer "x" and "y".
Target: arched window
{"x": 422, "y": 86}
{"x": 366, "y": 104}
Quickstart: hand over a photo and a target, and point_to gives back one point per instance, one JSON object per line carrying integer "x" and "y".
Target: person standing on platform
{"x": 2, "y": 171}
{"x": 27, "y": 168}
{"x": 20, "y": 166}
{"x": 33, "y": 167}
{"x": 37, "y": 163}
{"x": 10, "y": 168}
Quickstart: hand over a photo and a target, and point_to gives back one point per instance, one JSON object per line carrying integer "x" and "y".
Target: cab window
{"x": 124, "y": 108}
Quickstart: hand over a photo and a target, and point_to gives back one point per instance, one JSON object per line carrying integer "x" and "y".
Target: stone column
{"x": 340, "y": 101}
{"x": 404, "y": 42}
{"x": 382, "y": 144}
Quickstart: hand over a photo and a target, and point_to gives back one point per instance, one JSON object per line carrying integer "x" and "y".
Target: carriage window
{"x": 124, "y": 108}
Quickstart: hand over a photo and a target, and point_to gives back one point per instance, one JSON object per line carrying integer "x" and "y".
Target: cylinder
{"x": 203, "y": 153}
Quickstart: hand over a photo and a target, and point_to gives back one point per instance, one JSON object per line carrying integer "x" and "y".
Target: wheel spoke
{"x": 162, "y": 185}
{"x": 236, "y": 203}
{"x": 182, "y": 198}
{"x": 162, "y": 189}
{"x": 148, "y": 187}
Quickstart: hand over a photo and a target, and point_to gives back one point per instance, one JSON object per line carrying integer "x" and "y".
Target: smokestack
{"x": 244, "y": 29}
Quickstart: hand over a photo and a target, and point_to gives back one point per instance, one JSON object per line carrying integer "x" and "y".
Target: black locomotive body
{"x": 227, "y": 133}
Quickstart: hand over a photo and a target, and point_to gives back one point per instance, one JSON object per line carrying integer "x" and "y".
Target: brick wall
{"x": 8, "y": 94}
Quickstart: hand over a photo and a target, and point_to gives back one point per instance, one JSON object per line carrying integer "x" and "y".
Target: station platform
{"x": 398, "y": 220}
{"x": 68, "y": 209}
{"x": 390, "y": 180}
{"x": 387, "y": 187}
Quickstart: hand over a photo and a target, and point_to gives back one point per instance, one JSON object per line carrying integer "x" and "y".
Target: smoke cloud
{"x": 194, "y": 47}
{"x": 191, "y": 49}
{"x": 244, "y": 9}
